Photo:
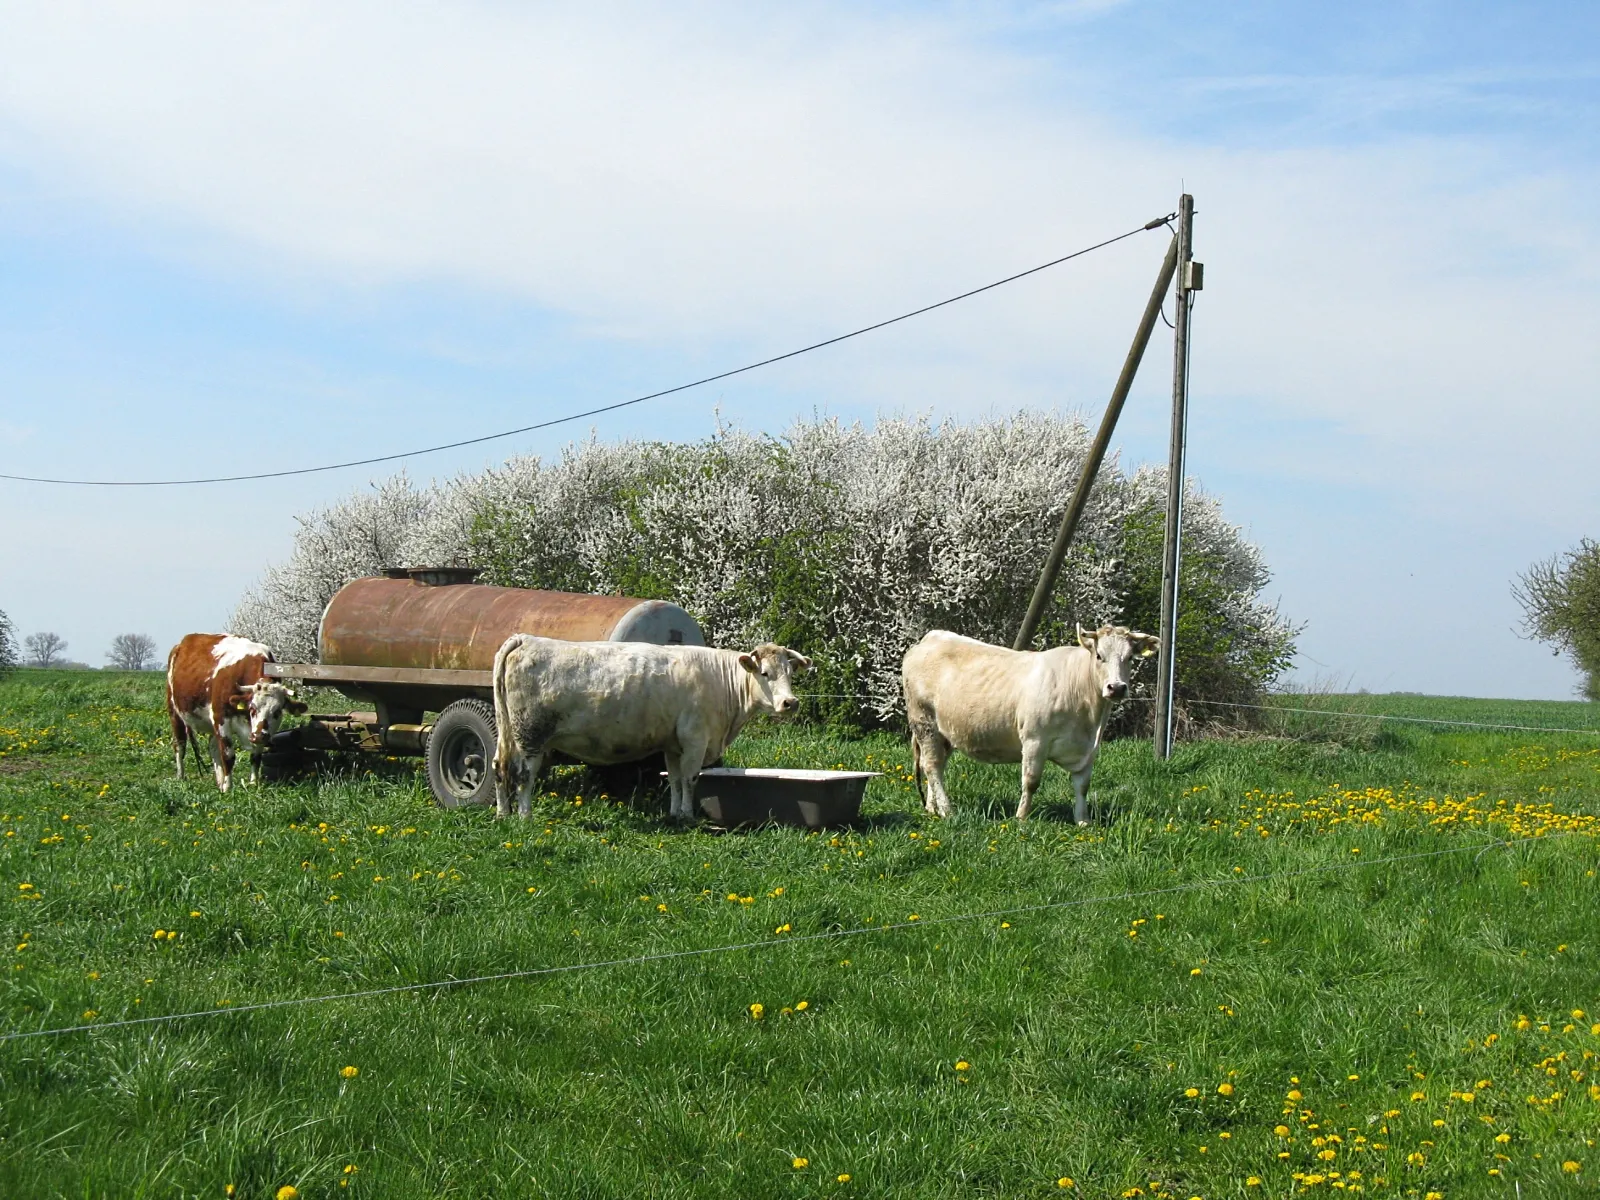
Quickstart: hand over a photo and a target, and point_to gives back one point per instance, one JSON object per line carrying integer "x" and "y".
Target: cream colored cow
{"x": 1002, "y": 706}
{"x": 617, "y": 702}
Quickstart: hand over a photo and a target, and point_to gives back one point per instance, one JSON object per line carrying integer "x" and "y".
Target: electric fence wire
{"x": 764, "y": 943}
{"x": 1157, "y": 223}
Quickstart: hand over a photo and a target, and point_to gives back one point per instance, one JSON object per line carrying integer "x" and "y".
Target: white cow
{"x": 998, "y": 705}
{"x": 617, "y": 702}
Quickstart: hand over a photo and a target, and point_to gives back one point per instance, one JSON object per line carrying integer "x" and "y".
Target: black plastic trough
{"x": 733, "y": 796}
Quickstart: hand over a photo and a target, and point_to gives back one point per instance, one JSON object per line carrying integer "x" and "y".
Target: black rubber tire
{"x": 461, "y": 754}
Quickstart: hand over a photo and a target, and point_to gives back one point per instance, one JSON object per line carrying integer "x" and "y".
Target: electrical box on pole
{"x": 1190, "y": 279}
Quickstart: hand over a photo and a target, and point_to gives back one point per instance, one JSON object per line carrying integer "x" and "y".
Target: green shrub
{"x": 1561, "y": 599}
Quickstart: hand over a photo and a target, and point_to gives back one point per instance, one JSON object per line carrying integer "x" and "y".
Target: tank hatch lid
{"x": 434, "y": 576}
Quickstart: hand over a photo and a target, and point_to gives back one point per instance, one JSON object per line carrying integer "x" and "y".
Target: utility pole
{"x": 1190, "y": 278}
{"x": 1097, "y": 452}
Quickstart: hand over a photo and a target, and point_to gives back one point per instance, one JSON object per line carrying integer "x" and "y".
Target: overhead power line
{"x": 1158, "y": 223}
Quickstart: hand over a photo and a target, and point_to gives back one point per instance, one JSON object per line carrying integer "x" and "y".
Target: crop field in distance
{"x": 1351, "y": 957}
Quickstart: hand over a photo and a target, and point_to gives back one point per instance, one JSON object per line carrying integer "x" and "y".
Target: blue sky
{"x": 233, "y": 239}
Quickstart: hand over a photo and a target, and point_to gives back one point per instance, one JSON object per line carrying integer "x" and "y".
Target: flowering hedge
{"x": 843, "y": 541}
{"x": 8, "y": 645}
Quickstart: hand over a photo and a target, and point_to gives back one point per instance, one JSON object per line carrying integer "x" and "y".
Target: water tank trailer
{"x": 421, "y": 640}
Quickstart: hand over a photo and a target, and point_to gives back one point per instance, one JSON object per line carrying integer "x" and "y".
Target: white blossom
{"x": 854, "y": 540}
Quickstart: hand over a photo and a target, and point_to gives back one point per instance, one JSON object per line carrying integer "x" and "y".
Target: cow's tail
{"x": 505, "y": 750}
{"x": 916, "y": 763}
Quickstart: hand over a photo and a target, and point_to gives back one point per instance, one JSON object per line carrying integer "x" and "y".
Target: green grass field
{"x": 1277, "y": 966}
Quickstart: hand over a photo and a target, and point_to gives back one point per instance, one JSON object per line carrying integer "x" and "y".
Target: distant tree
{"x": 45, "y": 649}
{"x": 132, "y": 651}
{"x": 1560, "y": 598}
{"x": 8, "y": 645}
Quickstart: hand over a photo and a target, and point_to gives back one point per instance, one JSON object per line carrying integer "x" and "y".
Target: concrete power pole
{"x": 1190, "y": 278}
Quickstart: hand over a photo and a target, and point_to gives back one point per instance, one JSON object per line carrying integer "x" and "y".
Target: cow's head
{"x": 265, "y": 703}
{"x": 1112, "y": 647}
{"x": 773, "y": 666}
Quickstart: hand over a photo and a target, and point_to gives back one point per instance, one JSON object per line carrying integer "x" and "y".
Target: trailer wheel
{"x": 461, "y": 754}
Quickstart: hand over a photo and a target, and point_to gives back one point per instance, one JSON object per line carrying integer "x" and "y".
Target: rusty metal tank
{"x": 439, "y": 619}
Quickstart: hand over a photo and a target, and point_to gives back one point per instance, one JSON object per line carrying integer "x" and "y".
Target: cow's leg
{"x": 691, "y": 760}
{"x": 255, "y": 767}
{"x": 532, "y": 764}
{"x": 935, "y": 753}
{"x": 239, "y": 735}
{"x": 221, "y": 757}
{"x": 1080, "y": 791}
{"x": 180, "y": 738}
{"x": 1033, "y": 760}
{"x": 674, "y": 780}
{"x": 919, "y": 768}
{"x": 684, "y": 767}
{"x": 515, "y": 773}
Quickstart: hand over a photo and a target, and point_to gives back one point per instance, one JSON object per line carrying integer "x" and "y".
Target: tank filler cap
{"x": 434, "y": 576}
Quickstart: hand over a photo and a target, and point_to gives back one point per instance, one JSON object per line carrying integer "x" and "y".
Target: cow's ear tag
{"x": 749, "y": 663}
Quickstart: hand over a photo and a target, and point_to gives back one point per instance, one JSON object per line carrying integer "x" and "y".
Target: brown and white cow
{"x": 618, "y": 702}
{"x": 215, "y": 689}
{"x": 1005, "y": 706}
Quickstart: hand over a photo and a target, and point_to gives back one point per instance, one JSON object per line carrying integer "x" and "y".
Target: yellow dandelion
{"x": 757, "y": 1011}
{"x": 963, "y": 1065}
{"x": 1253, "y": 1181}
{"x": 1502, "y": 1138}
{"x": 800, "y": 1164}
{"x": 1281, "y": 1130}
{"x": 1295, "y": 1094}
{"x": 1571, "y": 1167}
{"x": 1066, "y": 1181}
{"x": 1191, "y": 1092}
{"x": 845, "y": 1178}
{"x": 802, "y": 1005}
{"x": 287, "y": 1192}
{"x": 349, "y": 1072}
{"x": 1419, "y": 1096}
{"x": 1196, "y": 971}
{"x": 1224, "y": 1089}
